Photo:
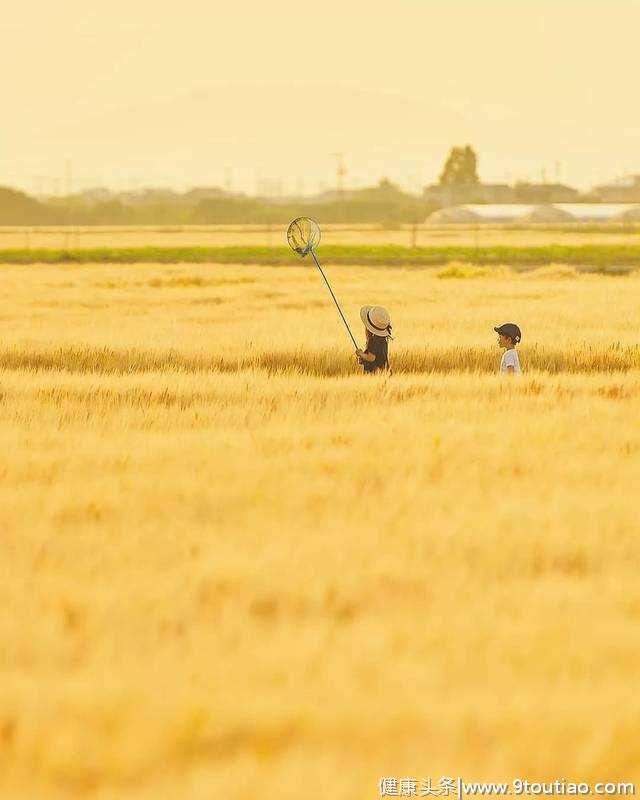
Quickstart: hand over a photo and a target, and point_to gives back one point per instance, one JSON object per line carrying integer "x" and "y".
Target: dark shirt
{"x": 378, "y": 346}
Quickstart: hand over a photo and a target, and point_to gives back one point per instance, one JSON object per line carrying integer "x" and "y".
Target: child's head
{"x": 376, "y": 321}
{"x": 508, "y": 335}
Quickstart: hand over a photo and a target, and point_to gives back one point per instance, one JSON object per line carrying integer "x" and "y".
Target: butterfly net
{"x": 303, "y": 235}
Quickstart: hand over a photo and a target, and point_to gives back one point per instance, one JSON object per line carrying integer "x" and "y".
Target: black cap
{"x": 511, "y": 330}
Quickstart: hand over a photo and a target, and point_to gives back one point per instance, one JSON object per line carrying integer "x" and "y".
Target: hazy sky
{"x": 202, "y": 92}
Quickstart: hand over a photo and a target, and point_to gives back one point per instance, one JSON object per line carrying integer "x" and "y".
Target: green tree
{"x": 461, "y": 167}
{"x": 17, "y": 208}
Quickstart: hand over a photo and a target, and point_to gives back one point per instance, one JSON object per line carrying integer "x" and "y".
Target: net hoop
{"x": 303, "y": 235}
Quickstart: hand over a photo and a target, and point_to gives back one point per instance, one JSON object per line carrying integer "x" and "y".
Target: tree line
{"x": 385, "y": 203}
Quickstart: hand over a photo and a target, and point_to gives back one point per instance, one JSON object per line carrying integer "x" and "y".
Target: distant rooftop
{"x": 546, "y": 212}
{"x": 596, "y": 211}
{"x": 499, "y": 210}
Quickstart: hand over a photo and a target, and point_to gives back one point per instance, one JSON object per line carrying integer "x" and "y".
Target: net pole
{"x": 346, "y": 324}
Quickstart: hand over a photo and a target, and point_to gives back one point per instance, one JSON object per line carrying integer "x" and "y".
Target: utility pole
{"x": 341, "y": 171}
{"x": 68, "y": 178}
{"x": 68, "y": 190}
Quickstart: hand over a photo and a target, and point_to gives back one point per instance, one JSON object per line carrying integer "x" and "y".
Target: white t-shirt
{"x": 510, "y": 359}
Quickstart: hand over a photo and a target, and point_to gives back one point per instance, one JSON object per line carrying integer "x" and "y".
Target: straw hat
{"x": 376, "y": 319}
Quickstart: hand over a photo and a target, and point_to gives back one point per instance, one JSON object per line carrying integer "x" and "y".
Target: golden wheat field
{"x": 233, "y": 567}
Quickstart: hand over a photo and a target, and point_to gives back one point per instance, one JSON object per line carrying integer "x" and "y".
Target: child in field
{"x": 508, "y": 337}
{"x": 377, "y": 325}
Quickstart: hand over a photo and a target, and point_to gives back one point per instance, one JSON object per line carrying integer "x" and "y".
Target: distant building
{"x": 544, "y": 193}
{"x": 449, "y": 195}
{"x": 207, "y": 192}
{"x": 624, "y": 190}
{"x": 535, "y": 193}
{"x": 143, "y": 197}
{"x": 505, "y": 213}
{"x": 598, "y": 212}
{"x": 475, "y": 213}
{"x": 96, "y": 195}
